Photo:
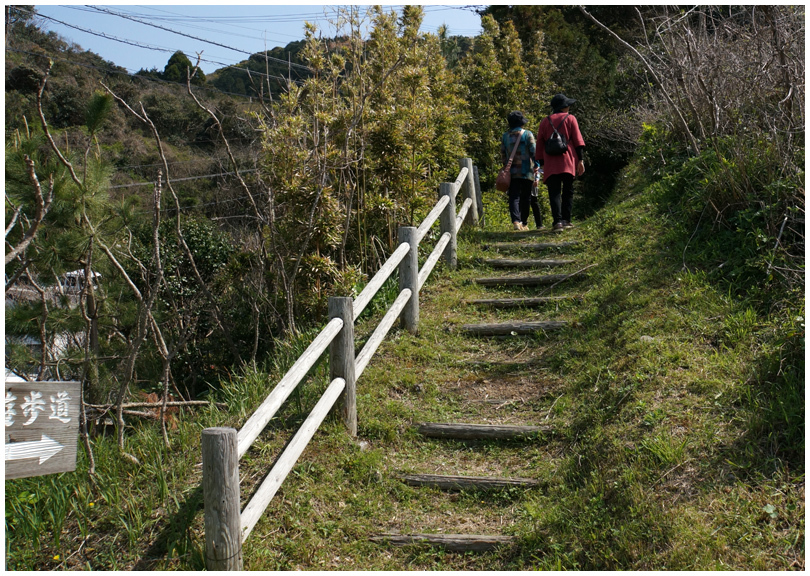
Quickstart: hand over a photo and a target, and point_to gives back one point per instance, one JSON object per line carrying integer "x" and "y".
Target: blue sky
{"x": 225, "y": 34}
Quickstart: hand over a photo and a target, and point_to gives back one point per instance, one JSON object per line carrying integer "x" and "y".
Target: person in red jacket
{"x": 559, "y": 170}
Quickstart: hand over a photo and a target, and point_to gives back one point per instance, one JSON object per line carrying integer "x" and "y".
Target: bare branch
{"x": 43, "y": 204}
{"x": 47, "y": 131}
{"x": 14, "y": 217}
{"x": 218, "y": 314}
{"x": 651, "y": 70}
{"x": 221, "y": 132}
{"x": 43, "y": 322}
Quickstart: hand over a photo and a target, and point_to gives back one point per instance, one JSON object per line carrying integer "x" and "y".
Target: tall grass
{"x": 686, "y": 377}
{"x": 738, "y": 213}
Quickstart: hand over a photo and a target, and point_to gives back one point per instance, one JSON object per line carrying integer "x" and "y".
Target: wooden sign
{"x": 42, "y": 427}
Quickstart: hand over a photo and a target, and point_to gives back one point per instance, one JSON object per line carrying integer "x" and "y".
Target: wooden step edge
{"x": 455, "y": 483}
{"x": 480, "y": 431}
{"x": 451, "y": 542}
{"x": 530, "y": 263}
{"x": 497, "y": 401}
{"x": 518, "y": 302}
{"x": 523, "y": 280}
{"x": 536, "y": 246}
{"x": 504, "y": 363}
{"x": 517, "y": 234}
{"x": 513, "y": 328}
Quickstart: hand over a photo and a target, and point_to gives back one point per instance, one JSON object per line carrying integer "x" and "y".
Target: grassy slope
{"x": 671, "y": 449}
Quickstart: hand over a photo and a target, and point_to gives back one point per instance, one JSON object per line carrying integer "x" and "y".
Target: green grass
{"x": 677, "y": 408}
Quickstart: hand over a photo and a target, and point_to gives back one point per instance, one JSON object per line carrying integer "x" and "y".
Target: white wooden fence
{"x": 225, "y": 527}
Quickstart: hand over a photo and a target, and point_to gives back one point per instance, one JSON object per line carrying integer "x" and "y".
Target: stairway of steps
{"x": 486, "y": 432}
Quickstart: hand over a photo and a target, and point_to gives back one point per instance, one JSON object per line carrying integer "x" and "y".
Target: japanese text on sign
{"x": 34, "y": 404}
{"x": 42, "y": 427}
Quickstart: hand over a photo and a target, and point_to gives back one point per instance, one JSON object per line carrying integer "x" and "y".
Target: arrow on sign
{"x": 42, "y": 449}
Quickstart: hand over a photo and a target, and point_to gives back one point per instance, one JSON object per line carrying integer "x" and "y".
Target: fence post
{"x": 342, "y": 360}
{"x": 447, "y": 223}
{"x": 469, "y": 191}
{"x": 479, "y": 197}
{"x": 223, "y": 530}
{"x": 409, "y": 278}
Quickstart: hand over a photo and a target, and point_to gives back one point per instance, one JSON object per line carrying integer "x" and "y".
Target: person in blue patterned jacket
{"x": 524, "y": 168}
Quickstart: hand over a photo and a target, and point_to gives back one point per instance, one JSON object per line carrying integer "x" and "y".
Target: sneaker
{"x": 567, "y": 225}
{"x": 517, "y": 226}
{"x": 558, "y": 227}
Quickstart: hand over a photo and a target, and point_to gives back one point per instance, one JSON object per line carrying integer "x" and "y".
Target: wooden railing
{"x": 225, "y": 527}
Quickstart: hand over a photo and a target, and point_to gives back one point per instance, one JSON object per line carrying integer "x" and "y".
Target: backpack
{"x": 557, "y": 144}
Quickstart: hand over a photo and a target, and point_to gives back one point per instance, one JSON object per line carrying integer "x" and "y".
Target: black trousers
{"x": 537, "y": 212}
{"x": 520, "y": 193}
{"x": 560, "y": 196}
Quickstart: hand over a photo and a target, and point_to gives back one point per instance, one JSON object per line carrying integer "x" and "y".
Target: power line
{"x": 137, "y": 184}
{"x": 127, "y": 17}
{"x": 176, "y": 162}
{"x": 183, "y": 18}
{"x": 103, "y": 34}
{"x": 124, "y": 15}
{"x": 158, "y": 80}
{"x": 168, "y": 50}
{"x": 223, "y": 20}
{"x": 174, "y": 17}
{"x": 226, "y": 20}
{"x": 199, "y": 206}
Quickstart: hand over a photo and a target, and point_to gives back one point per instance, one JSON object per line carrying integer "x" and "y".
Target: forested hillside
{"x": 267, "y": 203}
{"x": 218, "y": 213}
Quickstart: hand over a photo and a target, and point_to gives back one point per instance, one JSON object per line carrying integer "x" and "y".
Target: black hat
{"x": 561, "y": 101}
{"x": 516, "y": 119}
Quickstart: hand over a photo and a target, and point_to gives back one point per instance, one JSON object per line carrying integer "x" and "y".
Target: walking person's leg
{"x": 514, "y": 204}
{"x": 554, "y": 185}
{"x": 525, "y": 200}
{"x": 567, "y": 200}
{"x": 536, "y": 211}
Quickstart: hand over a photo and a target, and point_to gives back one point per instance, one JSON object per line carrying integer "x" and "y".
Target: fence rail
{"x": 225, "y": 527}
